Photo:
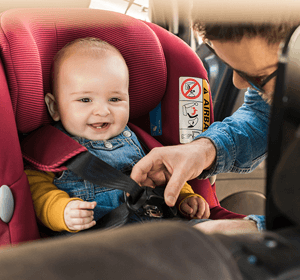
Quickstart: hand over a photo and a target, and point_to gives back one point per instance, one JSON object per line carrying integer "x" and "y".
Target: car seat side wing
{"x": 47, "y": 149}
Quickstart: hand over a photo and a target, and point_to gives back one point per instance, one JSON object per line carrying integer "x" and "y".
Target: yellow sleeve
{"x": 185, "y": 193}
{"x": 49, "y": 202}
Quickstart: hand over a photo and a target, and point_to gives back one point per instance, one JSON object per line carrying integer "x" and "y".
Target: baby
{"x": 90, "y": 103}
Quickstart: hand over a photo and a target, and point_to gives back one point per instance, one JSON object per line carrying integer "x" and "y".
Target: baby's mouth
{"x": 99, "y": 125}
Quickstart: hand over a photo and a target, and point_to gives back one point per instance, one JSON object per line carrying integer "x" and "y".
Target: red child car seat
{"x": 160, "y": 65}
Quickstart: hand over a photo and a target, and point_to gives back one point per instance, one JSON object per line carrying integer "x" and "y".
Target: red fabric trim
{"x": 219, "y": 212}
{"x": 4, "y": 234}
{"x": 48, "y": 148}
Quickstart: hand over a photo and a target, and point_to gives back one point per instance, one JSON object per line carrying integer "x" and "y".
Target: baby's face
{"x": 92, "y": 95}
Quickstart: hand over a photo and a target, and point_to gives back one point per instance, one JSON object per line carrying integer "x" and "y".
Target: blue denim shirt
{"x": 122, "y": 152}
{"x": 241, "y": 139}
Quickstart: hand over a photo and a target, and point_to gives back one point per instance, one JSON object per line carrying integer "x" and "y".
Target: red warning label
{"x": 190, "y": 88}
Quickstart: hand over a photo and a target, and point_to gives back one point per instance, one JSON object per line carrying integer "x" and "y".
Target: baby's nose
{"x": 101, "y": 110}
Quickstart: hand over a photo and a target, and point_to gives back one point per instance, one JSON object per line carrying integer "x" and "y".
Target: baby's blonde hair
{"x": 90, "y": 45}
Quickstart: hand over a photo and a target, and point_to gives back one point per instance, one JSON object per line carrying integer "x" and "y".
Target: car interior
{"x": 154, "y": 40}
{"x": 42, "y": 32}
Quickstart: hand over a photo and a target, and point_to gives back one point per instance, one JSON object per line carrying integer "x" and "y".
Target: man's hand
{"x": 174, "y": 165}
{"x": 195, "y": 207}
{"x": 78, "y": 214}
{"x": 238, "y": 226}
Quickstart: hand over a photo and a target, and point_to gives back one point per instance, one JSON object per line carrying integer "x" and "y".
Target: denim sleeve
{"x": 241, "y": 139}
{"x": 260, "y": 221}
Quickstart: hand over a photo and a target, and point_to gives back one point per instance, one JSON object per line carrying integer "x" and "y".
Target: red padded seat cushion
{"x": 29, "y": 39}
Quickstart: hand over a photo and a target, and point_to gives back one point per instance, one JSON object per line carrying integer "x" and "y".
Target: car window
{"x": 137, "y": 9}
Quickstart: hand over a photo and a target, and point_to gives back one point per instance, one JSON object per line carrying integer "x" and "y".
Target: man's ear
{"x": 52, "y": 106}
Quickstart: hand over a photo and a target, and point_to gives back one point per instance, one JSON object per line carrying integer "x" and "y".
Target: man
{"x": 239, "y": 143}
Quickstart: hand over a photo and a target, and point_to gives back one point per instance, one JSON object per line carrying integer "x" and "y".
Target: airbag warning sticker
{"x": 194, "y": 108}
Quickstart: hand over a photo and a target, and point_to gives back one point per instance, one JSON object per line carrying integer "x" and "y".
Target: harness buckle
{"x": 151, "y": 203}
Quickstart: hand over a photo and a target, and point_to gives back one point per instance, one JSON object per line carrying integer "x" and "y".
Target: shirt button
{"x": 108, "y": 145}
{"x": 127, "y": 133}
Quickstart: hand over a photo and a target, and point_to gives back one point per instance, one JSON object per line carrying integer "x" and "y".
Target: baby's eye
{"x": 85, "y": 100}
{"x": 114, "y": 99}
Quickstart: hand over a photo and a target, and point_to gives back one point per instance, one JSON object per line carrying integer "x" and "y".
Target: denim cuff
{"x": 260, "y": 221}
{"x": 225, "y": 150}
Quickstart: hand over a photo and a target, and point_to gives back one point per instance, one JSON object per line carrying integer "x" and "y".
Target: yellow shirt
{"x": 50, "y": 202}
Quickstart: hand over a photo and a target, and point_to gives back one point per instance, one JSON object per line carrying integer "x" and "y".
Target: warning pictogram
{"x": 191, "y": 94}
{"x": 190, "y": 88}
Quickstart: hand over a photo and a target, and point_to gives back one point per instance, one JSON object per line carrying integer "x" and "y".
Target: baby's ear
{"x": 52, "y": 106}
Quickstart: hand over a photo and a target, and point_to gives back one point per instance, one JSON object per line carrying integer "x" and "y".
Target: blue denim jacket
{"x": 241, "y": 139}
{"x": 122, "y": 152}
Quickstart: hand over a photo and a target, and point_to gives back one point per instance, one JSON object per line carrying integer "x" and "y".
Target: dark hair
{"x": 273, "y": 33}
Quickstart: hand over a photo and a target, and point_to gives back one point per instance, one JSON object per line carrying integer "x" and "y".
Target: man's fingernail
{"x": 171, "y": 200}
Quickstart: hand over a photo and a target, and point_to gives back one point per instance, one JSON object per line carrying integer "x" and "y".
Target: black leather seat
{"x": 245, "y": 202}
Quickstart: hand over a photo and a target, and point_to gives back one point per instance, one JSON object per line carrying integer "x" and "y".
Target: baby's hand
{"x": 78, "y": 216}
{"x": 195, "y": 207}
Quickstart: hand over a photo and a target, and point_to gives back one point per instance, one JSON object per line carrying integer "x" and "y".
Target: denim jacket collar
{"x": 83, "y": 141}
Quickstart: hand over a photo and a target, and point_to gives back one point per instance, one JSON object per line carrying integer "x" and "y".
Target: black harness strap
{"x": 113, "y": 219}
{"x": 95, "y": 170}
{"x": 98, "y": 172}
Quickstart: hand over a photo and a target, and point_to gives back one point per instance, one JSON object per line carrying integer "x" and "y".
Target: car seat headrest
{"x": 29, "y": 41}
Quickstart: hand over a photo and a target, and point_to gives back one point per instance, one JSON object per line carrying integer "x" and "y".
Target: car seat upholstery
{"x": 29, "y": 39}
{"x": 22, "y": 225}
